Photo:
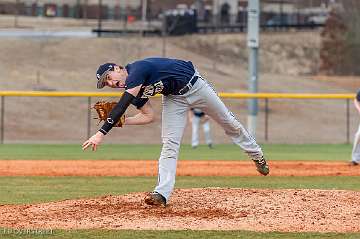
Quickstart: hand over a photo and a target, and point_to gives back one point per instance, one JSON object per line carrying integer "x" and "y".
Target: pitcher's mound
{"x": 199, "y": 209}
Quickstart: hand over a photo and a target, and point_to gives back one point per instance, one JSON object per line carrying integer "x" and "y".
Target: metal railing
{"x": 265, "y": 96}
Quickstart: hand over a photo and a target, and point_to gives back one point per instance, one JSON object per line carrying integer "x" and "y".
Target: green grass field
{"x": 186, "y": 234}
{"x": 318, "y": 152}
{"x": 23, "y": 190}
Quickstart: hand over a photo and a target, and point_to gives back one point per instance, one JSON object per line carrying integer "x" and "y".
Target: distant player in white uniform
{"x": 182, "y": 88}
{"x": 198, "y": 118}
{"x": 355, "y": 159}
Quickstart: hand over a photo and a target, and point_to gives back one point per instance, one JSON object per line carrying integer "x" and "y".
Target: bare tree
{"x": 351, "y": 16}
{"x": 340, "y": 50}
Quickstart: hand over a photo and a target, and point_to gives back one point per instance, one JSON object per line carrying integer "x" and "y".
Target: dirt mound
{"x": 210, "y": 208}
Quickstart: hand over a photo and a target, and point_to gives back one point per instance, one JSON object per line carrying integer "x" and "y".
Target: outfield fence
{"x": 266, "y": 97}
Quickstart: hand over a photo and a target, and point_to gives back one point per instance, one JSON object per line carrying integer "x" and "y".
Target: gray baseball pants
{"x": 174, "y": 118}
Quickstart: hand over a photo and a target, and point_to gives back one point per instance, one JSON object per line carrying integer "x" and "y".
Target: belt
{"x": 188, "y": 86}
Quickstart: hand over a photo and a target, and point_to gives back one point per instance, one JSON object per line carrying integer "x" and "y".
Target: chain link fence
{"x": 119, "y": 14}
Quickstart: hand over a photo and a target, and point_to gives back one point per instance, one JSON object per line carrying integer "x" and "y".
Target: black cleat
{"x": 155, "y": 199}
{"x": 261, "y": 166}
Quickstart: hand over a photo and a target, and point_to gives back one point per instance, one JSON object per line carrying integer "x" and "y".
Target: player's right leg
{"x": 211, "y": 104}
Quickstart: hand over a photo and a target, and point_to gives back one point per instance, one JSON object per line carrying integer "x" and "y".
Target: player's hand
{"x": 94, "y": 141}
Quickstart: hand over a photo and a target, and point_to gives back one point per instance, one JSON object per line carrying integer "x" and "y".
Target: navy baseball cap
{"x": 102, "y": 72}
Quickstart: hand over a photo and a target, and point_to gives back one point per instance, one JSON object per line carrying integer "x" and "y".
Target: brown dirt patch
{"x": 197, "y": 209}
{"x": 210, "y": 208}
{"x": 185, "y": 168}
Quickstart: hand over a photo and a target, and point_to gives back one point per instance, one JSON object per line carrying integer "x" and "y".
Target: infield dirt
{"x": 289, "y": 210}
{"x": 198, "y": 209}
{"x": 184, "y": 168}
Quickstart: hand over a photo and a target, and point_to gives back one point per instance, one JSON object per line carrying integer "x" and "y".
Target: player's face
{"x": 116, "y": 78}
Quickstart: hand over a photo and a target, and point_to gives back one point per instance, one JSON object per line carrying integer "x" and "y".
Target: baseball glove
{"x": 103, "y": 109}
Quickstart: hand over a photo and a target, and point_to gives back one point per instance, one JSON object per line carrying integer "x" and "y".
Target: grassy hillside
{"x": 287, "y": 61}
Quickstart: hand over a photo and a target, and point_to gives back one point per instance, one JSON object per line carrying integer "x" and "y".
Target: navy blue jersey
{"x": 358, "y": 96}
{"x": 158, "y": 76}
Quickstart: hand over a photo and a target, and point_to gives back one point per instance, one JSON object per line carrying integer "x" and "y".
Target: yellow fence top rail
{"x": 287, "y": 95}
{"x": 222, "y": 95}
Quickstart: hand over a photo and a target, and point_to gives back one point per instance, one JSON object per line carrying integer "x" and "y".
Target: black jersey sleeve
{"x": 117, "y": 112}
{"x": 139, "y": 102}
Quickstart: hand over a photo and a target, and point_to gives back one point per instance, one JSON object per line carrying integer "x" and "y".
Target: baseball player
{"x": 355, "y": 159}
{"x": 182, "y": 87}
{"x": 197, "y": 117}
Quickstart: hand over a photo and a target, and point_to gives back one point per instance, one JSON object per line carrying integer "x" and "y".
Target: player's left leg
{"x": 173, "y": 124}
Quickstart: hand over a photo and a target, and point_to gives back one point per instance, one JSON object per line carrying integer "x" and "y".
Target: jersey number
{"x": 152, "y": 90}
